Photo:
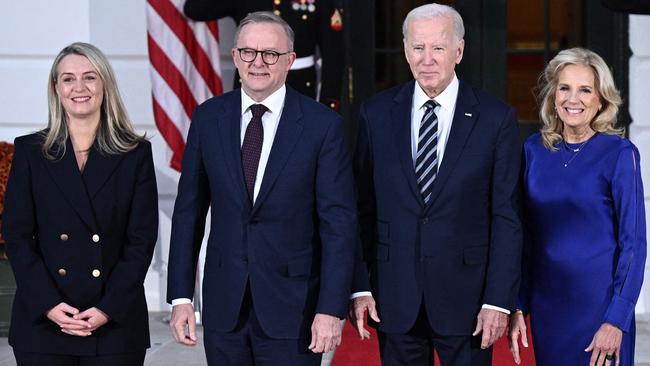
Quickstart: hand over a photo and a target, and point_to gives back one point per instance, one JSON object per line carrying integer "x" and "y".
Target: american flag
{"x": 185, "y": 69}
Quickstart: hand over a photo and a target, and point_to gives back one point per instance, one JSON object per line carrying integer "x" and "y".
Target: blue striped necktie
{"x": 426, "y": 161}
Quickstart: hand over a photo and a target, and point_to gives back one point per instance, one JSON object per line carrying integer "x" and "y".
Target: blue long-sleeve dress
{"x": 586, "y": 245}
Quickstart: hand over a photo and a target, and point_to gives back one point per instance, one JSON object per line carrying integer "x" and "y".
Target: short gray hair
{"x": 266, "y": 17}
{"x": 430, "y": 11}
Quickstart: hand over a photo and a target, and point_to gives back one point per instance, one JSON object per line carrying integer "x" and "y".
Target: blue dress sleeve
{"x": 627, "y": 195}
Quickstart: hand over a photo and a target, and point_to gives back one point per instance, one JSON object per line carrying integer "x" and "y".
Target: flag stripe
{"x": 166, "y": 69}
{"x": 169, "y": 132}
{"x": 169, "y": 101}
{"x": 185, "y": 70}
{"x": 211, "y": 47}
{"x": 179, "y": 25}
{"x": 207, "y": 35}
{"x": 175, "y": 51}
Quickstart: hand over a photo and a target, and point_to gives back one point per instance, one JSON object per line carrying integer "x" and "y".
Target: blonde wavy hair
{"x": 115, "y": 134}
{"x": 605, "y": 119}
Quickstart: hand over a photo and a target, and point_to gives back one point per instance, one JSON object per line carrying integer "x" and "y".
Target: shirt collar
{"x": 446, "y": 99}
{"x": 273, "y": 102}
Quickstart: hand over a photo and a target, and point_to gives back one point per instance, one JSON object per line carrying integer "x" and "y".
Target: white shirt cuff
{"x": 492, "y": 307}
{"x": 359, "y": 294}
{"x": 181, "y": 301}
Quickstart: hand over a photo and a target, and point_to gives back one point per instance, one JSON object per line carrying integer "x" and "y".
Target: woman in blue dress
{"x": 585, "y": 220}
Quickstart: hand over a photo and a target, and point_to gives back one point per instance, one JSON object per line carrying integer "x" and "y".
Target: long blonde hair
{"x": 605, "y": 119}
{"x": 115, "y": 133}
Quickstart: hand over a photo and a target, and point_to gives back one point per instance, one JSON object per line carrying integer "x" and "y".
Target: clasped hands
{"x": 492, "y": 323}
{"x": 76, "y": 323}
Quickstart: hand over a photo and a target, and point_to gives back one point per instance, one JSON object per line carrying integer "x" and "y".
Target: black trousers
{"x": 249, "y": 345}
{"x": 416, "y": 347}
{"x": 45, "y": 359}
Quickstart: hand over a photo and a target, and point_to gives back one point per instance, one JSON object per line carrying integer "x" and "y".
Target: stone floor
{"x": 165, "y": 352}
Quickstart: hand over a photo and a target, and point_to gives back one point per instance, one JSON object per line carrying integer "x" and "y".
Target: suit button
{"x": 64, "y": 237}
{"x": 96, "y": 273}
{"x": 62, "y": 272}
{"x": 96, "y": 238}
{"x": 308, "y": 84}
{"x": 304, "y": 17}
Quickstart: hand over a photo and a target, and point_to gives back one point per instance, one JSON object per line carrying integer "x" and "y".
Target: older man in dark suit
{"x": 273, "y": 166}
{"x": 437, "y": 165}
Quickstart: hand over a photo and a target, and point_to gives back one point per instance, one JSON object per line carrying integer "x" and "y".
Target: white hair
{"x": 430, "y": 11}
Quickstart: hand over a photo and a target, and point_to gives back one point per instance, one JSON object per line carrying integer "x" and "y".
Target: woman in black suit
{"x": 80, "y": 223}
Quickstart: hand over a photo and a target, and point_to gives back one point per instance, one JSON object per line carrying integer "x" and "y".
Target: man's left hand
{"x": 493, "y": 324}
{"x": 325, "y": 333}
{"x": 95, "y": 317}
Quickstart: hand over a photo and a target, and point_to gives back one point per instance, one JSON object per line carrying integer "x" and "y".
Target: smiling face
{"x": 432, "y": 51}
{"x": 79, "y": 88}
{"x": 577, "y": 100}
{"x": 258, "y": 79}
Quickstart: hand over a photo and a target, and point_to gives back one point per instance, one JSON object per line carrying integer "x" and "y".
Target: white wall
{"x": 640, "y": 128}
{"x": 33, "y": 32}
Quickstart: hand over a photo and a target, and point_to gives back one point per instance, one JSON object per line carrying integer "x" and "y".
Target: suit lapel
{"x": 229, "y": 125}
{"x": 99, "y": 168}
{"x": 67, "y": 177}
{"x": 401, "y": 122}
{"x": 465, "y": 116}
{"x": 286, "y": 137}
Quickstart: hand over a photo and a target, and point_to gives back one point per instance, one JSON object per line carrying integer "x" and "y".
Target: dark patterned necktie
{"x": 426, "y": 161}
{"x": 251, "y": 148}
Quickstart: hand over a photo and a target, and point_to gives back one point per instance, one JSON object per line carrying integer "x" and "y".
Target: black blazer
{"x": 83, "y": 239}
{"x": 462, "y": 249}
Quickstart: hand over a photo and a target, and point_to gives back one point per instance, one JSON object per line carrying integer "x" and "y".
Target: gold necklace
{"x": 576, "y": 151}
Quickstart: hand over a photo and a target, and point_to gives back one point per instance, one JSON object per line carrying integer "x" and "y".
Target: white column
{"x": 640, "y": 128}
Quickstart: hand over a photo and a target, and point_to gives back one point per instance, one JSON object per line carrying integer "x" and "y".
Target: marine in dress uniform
{"x": 316, "y": 24}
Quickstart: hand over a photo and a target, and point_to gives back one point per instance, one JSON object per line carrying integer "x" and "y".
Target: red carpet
{"x": 354, "y": 352}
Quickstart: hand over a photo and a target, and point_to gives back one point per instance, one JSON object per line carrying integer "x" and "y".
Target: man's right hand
{"x": 182, "y": 317}
{"x": 356, "y": 314}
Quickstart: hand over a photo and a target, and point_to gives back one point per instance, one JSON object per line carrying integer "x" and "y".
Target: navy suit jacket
{"x": 295, "y": 245}
{"x": 461, "y": 250}
{"x": 60, "y": 226}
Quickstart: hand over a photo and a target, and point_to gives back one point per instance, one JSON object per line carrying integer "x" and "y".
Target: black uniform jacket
{"x": 85, "y": 239}
{"x": 313, "y": 27}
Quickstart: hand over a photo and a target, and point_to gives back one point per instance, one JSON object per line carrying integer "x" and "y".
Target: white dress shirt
{"x": 445, "y": 113}
{"x": 270, "y": 120}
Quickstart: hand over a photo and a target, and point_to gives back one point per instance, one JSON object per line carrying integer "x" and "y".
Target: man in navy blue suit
{"x": 273, "y": 167}
{"x": 437, "y": 165}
